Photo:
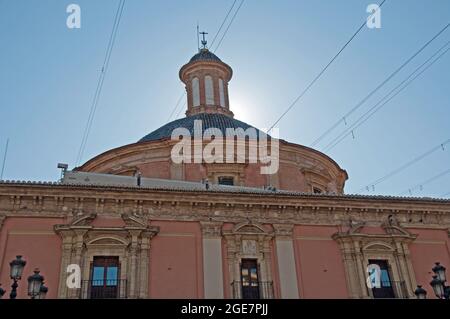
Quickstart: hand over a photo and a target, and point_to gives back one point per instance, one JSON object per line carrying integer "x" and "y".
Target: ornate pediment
{"x": 392, "y": 226}
{"x": 134, "y": 220}
{"x": 107, "y": 240}
{"x": 378, "y": 246}
{"x": 83, "y": 220}
{"x": 249, "y": 228}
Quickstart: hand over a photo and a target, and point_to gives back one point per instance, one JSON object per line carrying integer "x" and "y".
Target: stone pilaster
{"x": 286, "y": 261}
{"x": 212, "y": 259}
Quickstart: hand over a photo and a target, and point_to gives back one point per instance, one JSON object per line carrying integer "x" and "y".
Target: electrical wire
{"x": 101, "y": 79}
{"x": 176, "y": 106}
{"x": 321, "y": 72}
{"x": 425, "y": 182}
{"x": 223, "y": 23}
{"x": 229, "y": 25}
{"x": 406, "y": 165}
{"x": 386, "y": 99}
{"x": 357, "y": 106}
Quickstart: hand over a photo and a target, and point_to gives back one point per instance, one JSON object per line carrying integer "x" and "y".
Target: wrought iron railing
{"x": 390, "y": 289}
{"x": 252, "y": 290}
{"x": 104, "y": 289}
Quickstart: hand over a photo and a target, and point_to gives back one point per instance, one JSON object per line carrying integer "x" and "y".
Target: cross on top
{"x": 204, "y": 42}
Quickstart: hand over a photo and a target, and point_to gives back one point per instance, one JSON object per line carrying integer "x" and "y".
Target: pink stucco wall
{"x": 429, "y": 247}
{"x": 34, "y": 239}
{"x": 320, "y": 270}
{"x": 176, "y": 261}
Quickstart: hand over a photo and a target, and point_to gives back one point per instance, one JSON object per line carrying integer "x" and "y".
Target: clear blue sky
{"x": 48, "y": 75}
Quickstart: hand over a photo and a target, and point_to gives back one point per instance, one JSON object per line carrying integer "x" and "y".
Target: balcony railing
{"x": 104, "y": 289}
{"x": 390, "y": 289}
{"x": 252, "y": 290}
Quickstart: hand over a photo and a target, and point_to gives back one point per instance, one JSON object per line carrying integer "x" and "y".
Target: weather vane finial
{"x": 204, "y": 42}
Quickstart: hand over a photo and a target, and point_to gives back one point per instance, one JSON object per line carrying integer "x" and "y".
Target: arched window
{"x": 209, "y": 90}
{"x": 221, "y": 93}
{"x": 195, "y": 92}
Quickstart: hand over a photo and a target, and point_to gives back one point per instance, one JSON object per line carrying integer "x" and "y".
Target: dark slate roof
{"x": 205, "y": 55}
{"x": 209, "y": 120}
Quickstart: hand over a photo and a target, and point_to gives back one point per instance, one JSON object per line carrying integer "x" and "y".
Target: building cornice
{"x": 66, "y": 201}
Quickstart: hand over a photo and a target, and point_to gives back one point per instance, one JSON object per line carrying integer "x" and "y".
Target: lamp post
{"x": 35, "y": 283}
{"x": 420, "y": 292}
{"x": 438, "y": 283}
{"x": 17, "y": 266}
{"x": 36, "y": 288}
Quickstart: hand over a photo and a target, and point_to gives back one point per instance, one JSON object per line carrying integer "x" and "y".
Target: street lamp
{"x": 17, "y": 266}
{"x": 439, "y": 270}
{"x": 35, "y": 283}
{"x": 438, "y": 283}
{"x": 420, "y": 292}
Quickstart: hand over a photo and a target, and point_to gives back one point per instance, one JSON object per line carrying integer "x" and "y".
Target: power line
{"x": 181, "y": 109}
{"x": 323, "y": 71}
{"x": 357, "y": 106}
{"x": 223, "y": 23}
{"x": 4, "y": 158}
{"x": 101, "y": 79}
{"x": 176, "y": 105}
{"x": 425, "y": 182}
{"x": 229, "y": 25}
{"x": 386, "y": 99}
{"x": 406, "y": 165}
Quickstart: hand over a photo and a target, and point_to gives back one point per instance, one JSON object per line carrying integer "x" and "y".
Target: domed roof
{"x": 209, "y": 120}
{"x": 205, "y": 55}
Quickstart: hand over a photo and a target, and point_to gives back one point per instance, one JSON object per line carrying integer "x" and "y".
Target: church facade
{"x": 138, "y": 222}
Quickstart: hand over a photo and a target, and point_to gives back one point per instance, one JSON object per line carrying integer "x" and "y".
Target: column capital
{"x": 283, "y": 231}
{"x": 211, "y": 229}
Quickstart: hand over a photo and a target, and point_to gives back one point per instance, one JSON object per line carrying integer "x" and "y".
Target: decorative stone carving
{"x": 249, "y": 240}
{"x": 135, "y": 220}
{"x": 131, "y": 243}
{"x": 211, "y": 229}
{"x": 283, "y": 230}
{"x": 249, "y": 247}
{"x": 358, "y": 248}
{"x": 83, "y": 219}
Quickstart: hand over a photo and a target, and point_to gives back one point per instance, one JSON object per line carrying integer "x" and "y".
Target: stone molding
{"x": 81, "y": 242}
{"x": 358, "y": 248}
{"x": 249, "y": 240}
{"x": 211, "y": 229}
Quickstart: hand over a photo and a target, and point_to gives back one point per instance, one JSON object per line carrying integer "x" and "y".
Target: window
{"x": 195, "y": 92}
{"x": 249, "y": 279}
{"x": 317, "y": 190}
{"x": 226, "y": 180}
{"x": 209, "y": 90}
{"x": 385, "y": 290}
{"x": 221, "y": 93}
{"x": 104, "y": 281}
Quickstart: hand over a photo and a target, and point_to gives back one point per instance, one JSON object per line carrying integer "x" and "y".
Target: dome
{"x": 209, "y": 120}
{"x": 205, "y": 55}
